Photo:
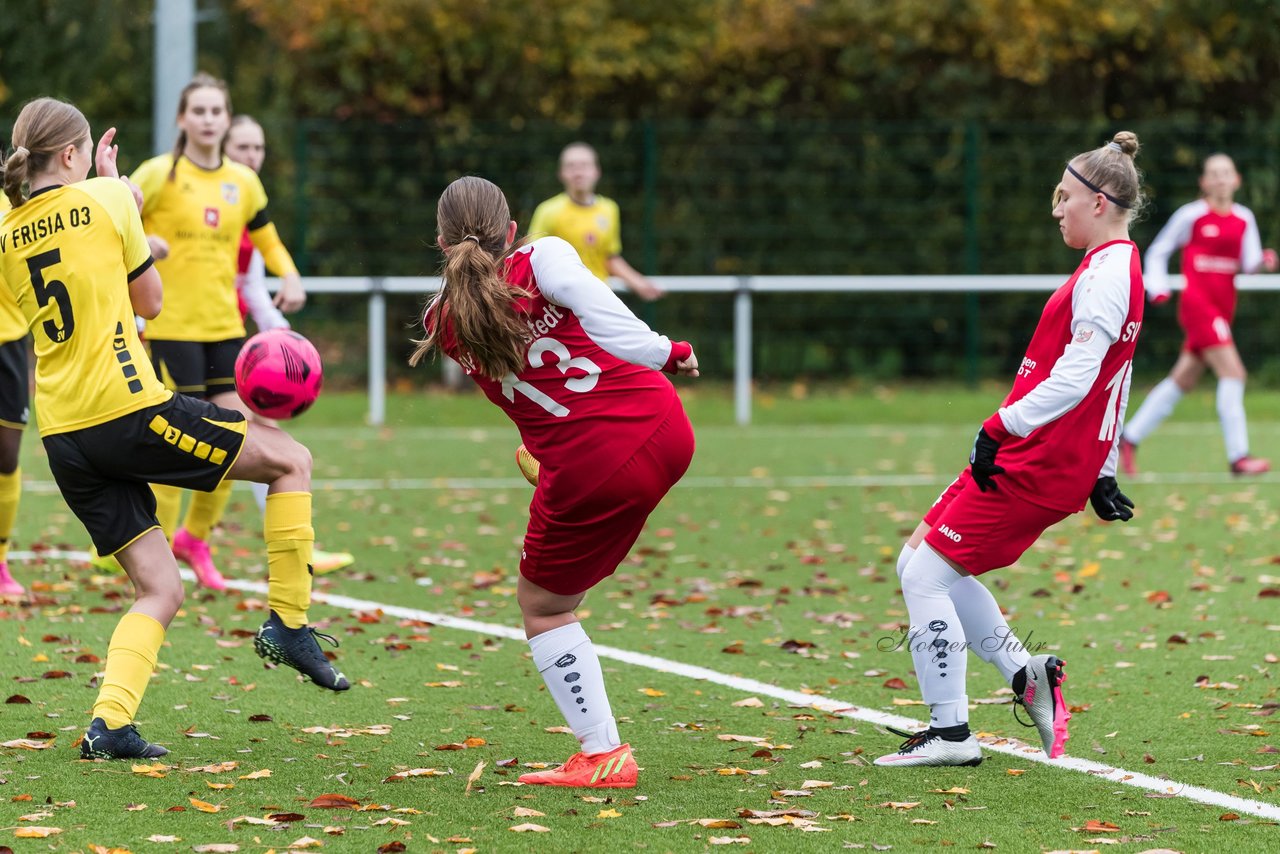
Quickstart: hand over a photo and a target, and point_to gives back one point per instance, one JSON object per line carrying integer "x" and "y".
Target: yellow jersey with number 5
{"x": 67, "y": 255}
{"x": 13, "y": 325}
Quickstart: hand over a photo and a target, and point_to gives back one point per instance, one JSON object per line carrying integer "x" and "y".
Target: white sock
{"x": 937, "y": 637}
{"x": 1156, "y": 408}
{"x": 260, "y": 495}
{"x": 1235, "y": 428}
{"x": 986, "y": 629}
{"x": 904, "y": 557}
{"x": 570, "y": 667}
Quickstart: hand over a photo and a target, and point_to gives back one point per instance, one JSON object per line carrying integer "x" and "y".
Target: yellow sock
{"x": 290, "y": 537}
{"x": 168, "y": 505}
{"x": 206, "y": 509}
{"x": 10, "y": 492}
{"x": 131, "y": 657}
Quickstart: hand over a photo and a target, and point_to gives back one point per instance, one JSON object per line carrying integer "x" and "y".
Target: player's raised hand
{"x": 1109, "y": 502}
{"x": 982, "y": 461}
{"x": 104, "y": 158}
{"x": 1270, "y": 261}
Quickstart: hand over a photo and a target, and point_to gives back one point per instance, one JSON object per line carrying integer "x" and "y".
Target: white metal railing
{"x": 742, "y": 287}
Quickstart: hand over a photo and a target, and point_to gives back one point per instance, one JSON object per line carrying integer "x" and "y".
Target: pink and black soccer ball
{"x": 278, "y": 373}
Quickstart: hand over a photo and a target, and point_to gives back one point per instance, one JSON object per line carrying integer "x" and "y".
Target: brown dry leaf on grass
{"x": 36, "y": 832}
{"x": 27, "y": 744}
{"x": 334, "y": 802}
{"x": 525, "y": 812}
{"x": 530, "y": 828}
{"x": 256, "y": 775}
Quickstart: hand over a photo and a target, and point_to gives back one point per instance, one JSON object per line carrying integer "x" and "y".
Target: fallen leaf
{"x": 157, "y": 837}
{"x": 954, "y": 790}
{"x": 474, "y": 775}
{"x": 256, "y": 775}
{"x": 216, "y": 848}
{"x": 334, "y": 802}
{"x": 1095, "y": 826}
{"x": 749, "y": 703}
{"x": 27, "y": 744}
{"x": 609, "y": 813}
{"x": 653, "y": 692}
{"x": 205, "y": 806}
{"x": 525, "y": 812}
{"x": 718, "y": 823}
{"x": 730, "y": 840}
{"x": 305, "y": 842}
{"x": 530, "y": 828}
{"x": 36, "y": 832}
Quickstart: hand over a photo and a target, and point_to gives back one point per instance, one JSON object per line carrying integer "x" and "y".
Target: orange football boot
{"x": 613, "y": 770}
{"x": 529, "y": 465}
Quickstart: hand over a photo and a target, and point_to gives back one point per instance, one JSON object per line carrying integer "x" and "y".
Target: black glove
{"x": 982, "y": 460}
{"x": 1109, "y": 502}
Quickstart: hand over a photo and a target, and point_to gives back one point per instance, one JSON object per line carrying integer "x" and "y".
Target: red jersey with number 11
{"x": 591, "y": 393}
{"x": 1057, "y": 463}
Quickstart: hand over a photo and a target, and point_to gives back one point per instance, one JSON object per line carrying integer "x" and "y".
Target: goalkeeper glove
{"x": 982, "y": 460}
{"x": 1109, "y": 502}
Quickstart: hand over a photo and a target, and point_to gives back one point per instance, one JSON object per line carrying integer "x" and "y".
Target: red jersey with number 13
{"x": 1057, "y": 465}
{"x": 581, "y": 411}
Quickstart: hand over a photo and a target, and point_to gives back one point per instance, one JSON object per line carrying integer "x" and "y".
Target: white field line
{"x": 834, "y": 481}
{"x": 729, "y": 431}
{"x": 753, "y": 686}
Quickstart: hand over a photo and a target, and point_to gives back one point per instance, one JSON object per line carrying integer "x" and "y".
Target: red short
{"x": 982, "y": 531}
{"x": 569, "y": 549}
{"x": 1203, "y": 324}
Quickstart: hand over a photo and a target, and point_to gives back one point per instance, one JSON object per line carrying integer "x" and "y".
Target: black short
{"x": 104, "y": 471}
{"x": 197, "y": 368}
{"x": 15, "y": 391}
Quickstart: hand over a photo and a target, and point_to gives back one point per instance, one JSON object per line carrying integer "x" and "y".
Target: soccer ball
{"x": 278, "y": 373}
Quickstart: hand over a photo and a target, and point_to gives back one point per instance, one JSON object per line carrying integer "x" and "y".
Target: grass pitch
{"x": 774, "y": 560}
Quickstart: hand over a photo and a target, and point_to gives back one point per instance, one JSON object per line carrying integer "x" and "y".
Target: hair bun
{"x": 1127, "y": 141}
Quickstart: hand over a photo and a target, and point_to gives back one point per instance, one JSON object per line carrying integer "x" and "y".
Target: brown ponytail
{"x": 45, "y": 127}
{"x": 475, "y": 302}
{"x": 202, "y": 80}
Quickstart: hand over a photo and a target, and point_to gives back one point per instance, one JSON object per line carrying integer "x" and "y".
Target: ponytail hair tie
{"x": 23, "y": 150}
{"x": 1115, "y": 146}
{"x": 472, "y": 237}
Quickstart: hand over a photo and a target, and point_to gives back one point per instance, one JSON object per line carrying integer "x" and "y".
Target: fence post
{"x": 742, "y": 351}
{"x": 377, "y": 352}
{"x": 301, "y": 155}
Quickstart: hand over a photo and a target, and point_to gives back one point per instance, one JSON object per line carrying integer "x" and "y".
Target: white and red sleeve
{"x": 1099, "y": 306}
{"x": 564, "y": 280}
{"x": 1251, "y": 246}
{"x": 1175, "y": 235}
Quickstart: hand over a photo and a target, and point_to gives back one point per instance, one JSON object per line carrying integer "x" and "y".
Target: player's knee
{"x": 8, "y": 460}
{"x": 904, "y": 557}
{"x": 298, "y": 459}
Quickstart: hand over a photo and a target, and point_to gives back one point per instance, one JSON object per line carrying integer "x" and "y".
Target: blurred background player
{"x": 14, "y": 409}
{"x": 197, "y": 204}
{"x": 110, "y": 427}
{"x": 1049, "y": 450}
{"x": 590, "y": 223}
{"x": 1218, "y": 239}
{"x": 246, "y": 144}
{"x": 577, "y": 373}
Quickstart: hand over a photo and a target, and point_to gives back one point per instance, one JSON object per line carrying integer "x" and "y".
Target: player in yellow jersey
{"x": 14, "y": 396}
{"x": 74, "y": 255}
{"x": 197, "y": 205}
{"x": 589, "y": 222}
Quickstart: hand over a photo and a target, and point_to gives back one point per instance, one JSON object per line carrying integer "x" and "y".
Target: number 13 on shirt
{"x": 564, "y": 361}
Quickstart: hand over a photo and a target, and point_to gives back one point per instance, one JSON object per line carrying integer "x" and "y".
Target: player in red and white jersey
{"x": 1046, "y": 452}
{"x": 578, "y": 374}
{"x": 1218, "y": 239}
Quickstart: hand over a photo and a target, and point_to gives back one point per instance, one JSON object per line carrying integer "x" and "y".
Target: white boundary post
{"x": 742, "y": 352}
{"x": 377, "y": 352}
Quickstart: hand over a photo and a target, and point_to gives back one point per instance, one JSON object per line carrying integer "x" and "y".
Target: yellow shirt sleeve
{"x": 119, "y": 204}
{"x": 612, "y": 237}
{"x": 150, "y": 177}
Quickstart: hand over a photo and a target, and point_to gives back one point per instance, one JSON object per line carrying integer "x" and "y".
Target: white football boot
{"x": 927, "y": 747}
{"x": 1042, "y": 698}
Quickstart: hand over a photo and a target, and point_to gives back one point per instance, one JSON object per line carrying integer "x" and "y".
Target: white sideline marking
{"x": 846, "y": 481}
{"x": 752, "y": 686}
